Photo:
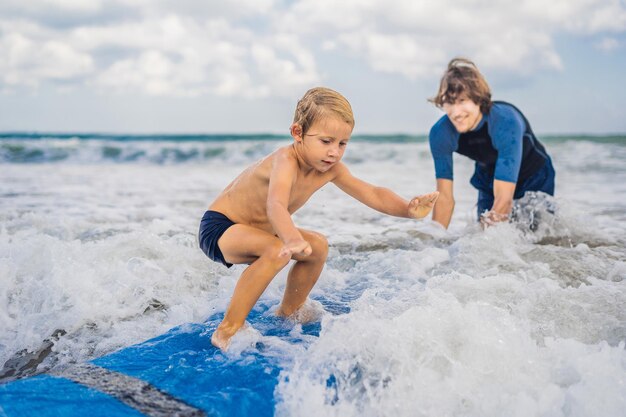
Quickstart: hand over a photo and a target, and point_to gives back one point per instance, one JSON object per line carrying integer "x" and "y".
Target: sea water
{"x": 98, "y": 251}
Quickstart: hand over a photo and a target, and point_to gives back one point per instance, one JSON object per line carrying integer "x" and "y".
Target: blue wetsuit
{"x": 504, "y": 148}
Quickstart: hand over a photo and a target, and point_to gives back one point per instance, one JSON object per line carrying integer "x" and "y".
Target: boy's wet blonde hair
{"x": 462, "y": 77}
{"x": 319, "y": 102}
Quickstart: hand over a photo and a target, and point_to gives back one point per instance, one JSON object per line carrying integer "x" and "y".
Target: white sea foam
{"x": 462, "y": 322}
{"x": 245, "y": 339}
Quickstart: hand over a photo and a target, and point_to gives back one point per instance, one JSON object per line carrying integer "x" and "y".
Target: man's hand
{"x": 490, "y": 218}
{"x": 296, "y": 247}
{"x": 420, "y": 206}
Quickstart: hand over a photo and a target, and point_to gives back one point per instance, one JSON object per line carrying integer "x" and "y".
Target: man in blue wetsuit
{"x": 509, "y": 158}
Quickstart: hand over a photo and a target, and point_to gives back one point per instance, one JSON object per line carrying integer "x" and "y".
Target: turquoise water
{"x": 167, "y": 149}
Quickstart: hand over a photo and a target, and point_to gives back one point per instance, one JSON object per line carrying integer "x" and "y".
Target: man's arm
{"x": 284, "y": 171}
{"x": 503, "y": 192}
{"x": 503, "y": 196}
{"x": 442, "y": 213}
{"x": 380, "y": 198}
{"x": 507, "y": 130}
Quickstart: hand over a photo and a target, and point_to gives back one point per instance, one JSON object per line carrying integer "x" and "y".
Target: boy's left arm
{"x": 383, "y": 199}
{"x": 281, "y": 179}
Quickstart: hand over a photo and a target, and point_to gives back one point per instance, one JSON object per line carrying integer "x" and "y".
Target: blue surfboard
{"x": 178, "y": 373}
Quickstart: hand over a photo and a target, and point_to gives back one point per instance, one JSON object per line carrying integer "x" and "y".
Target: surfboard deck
{"x": 176, "y": 373}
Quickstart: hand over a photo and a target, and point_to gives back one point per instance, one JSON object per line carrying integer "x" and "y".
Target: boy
{"x": 250, "y": 221}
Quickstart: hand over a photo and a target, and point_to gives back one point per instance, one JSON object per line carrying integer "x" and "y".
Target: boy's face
{"x": 323, "y": 145}
{"x": 463, "y": 113}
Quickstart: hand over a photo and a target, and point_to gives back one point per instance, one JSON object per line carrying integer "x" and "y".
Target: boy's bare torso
{"x": 244, "y": 200}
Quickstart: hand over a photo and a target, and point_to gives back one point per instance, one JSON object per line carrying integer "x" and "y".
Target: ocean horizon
{"x": 44, "y": 147}
{"x": 217, "y": 136}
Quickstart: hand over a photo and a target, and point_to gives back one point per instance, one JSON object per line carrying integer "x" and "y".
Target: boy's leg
{"x": 242, "y": 244}
{"x": 304, "y": 273}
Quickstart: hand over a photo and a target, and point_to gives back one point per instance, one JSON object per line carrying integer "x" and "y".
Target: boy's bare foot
{"x": 220, "y": 341}
{"x": 222, "y": 335}
{"x": 308, "y": 312}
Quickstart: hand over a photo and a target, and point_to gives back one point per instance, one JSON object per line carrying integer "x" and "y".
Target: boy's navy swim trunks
{"x": 212, "y": 227}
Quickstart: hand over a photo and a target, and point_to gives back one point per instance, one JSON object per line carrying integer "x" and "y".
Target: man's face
{"x": 463, "y": 113}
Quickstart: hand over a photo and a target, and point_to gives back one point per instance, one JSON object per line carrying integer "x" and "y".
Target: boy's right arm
{"x": 283, "y": 174}
{"x": 380, "y": 198}
{"x": 442, "y": 212}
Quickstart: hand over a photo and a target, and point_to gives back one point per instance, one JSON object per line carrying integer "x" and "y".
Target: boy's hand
{"x": 420, "y": 206}
{"x": 297, "y": 247}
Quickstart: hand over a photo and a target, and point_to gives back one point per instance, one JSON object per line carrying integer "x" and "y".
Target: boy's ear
{"x": 296, "y": 132}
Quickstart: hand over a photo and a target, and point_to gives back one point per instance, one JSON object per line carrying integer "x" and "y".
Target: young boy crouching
{"x": 250, "y": 221}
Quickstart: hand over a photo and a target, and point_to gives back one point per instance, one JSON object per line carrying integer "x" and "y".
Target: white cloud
{"x": 151, "y": 72}
{"x": 254, "y": 48}
{"x": 179, "y": 56}
{"x": 579, "y": 16}
{"x": 202, "y": 57}
{"x": 417, "y": 38}
{"x": 24, "y": 61}
{"x": 39, "y": 6}
{"x": 608, "y": 44}
{"x": 408, "y": 55}
{"x": 285, "y": 64}
{"x": 517, "y": 52}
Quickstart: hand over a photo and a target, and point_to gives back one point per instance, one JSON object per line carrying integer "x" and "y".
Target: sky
{"x": 239, "y": 66}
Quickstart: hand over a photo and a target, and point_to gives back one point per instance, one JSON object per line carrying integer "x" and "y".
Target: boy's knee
{"x": 319, "y": 244}
{"x": 272, "y": 255}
